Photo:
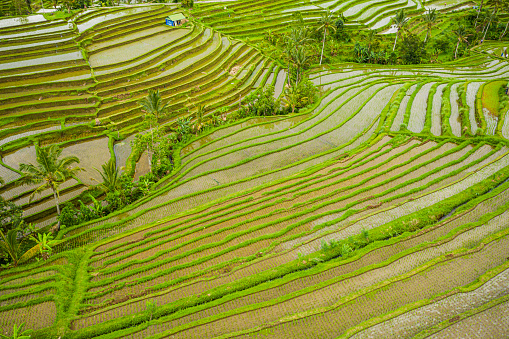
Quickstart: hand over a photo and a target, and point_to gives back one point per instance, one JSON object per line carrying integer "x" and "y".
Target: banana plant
{"x": 43, "y": 245}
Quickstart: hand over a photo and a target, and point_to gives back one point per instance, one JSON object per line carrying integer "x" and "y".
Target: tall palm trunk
{"x": 486, "y": 31}
{"x": 323, "y": 44}
{"x": 478, "y": 11}
{"x": 395, "y": 40}
{"x": 505, "y": 30}
{"x": 427, "y": 33}
{"x": 456, "y": 52}
{"x": 55, "y": 196}
{"x": 289, "y": 84}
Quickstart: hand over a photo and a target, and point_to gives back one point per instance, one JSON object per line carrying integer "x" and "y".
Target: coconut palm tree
{"x": 299, "y": 58}
{"x": 50, "y": 172}
{"x": 430, "y": 18}
{"x": 154, "y": 107}
{"x": 505, "y": 30}
{"x": 298, "y": 37}
{"x": 400, "y": 20}
{"x": 291, "y": 98}
{"x": 461, "y": 34}
{"x": 10, "y": 246}
{"x": 490, "y": 17}
{"x": 497, "y": 4}
{"x": 110, "y": 176}
{"x": 478, "y": 12}
{"x": 326, "y": 24}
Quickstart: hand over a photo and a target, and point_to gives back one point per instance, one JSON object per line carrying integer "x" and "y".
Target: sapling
{"x": 150, "y": 308}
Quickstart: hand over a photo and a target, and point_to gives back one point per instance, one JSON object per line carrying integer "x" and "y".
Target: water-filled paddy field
{"x": 379, "y": 211}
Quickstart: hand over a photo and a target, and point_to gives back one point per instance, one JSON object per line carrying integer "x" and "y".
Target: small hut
{"x": 175, "y": 19}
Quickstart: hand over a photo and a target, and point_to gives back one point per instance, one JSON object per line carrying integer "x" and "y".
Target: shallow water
{"x": 280, "y": 81}
{"x": 25, "y": 134}
{"x": 42, "y": 60}
{"x": 134, "y": 49}
{"x": 44, "y": 44}
{"x": 64, "y": 28}
{"x": 122, "y": 151}
{"x": 13, "y": 22}
{"x": 94, "y": 21}
{"x": 92, "y": 154}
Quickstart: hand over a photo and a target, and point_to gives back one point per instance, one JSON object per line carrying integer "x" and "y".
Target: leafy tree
{"x": 163, "y": 156}
{"x": 260, "y": 103}
{"x": 188, "y": 3}
{"x": 327, "y": 25}
{"x": 400, "y": 20}
{"x": 50, "y": 171}
{"x": 372, "y": 36}
{"x": 430, "y": 18}
{"x": 412, "y": 50}
{"x": 300, "y": 95}
{"x": 18, "y": 333}
{"x": 462, "y": 35}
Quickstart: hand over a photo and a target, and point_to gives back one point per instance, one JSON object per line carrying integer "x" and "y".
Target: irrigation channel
{"x": 381, "y": 211}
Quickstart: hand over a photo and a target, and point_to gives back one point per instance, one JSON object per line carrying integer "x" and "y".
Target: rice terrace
{"x": 254, "y": 169}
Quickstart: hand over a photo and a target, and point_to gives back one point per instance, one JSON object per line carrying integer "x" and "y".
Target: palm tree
{"x": 10, "y": 246}
{"x": 50, "y": 172}
{"x": 461, "y": 34}
{"x": 490, "y": 17}
{"x": 497, "y": 4}
{"x": 153, "y": 106}
{"x": 371, "y": 37}
{"x": 291, "y": 98}
{"x": 327, "y": 24}
{"x": 288, "y": 57}
{"x": 430, "y": 18}
{"x": 478, "y": 12}
{"x": 299, "y": 58}
{"x": 110, "y": 176}
{"x": 400, "y": 21}
{"x": 505, "y": 31}
{"x": 299, "y": 36}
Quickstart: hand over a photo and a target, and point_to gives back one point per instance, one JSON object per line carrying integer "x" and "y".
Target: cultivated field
{"x": 380, "y": 211}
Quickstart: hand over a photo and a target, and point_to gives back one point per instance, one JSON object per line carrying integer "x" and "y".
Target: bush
{"x": 260, "y": 103}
